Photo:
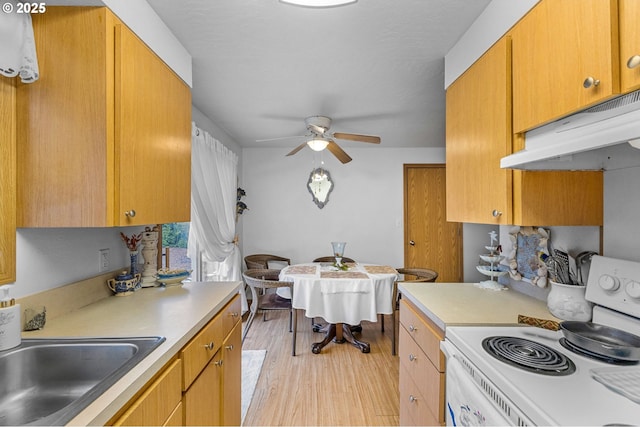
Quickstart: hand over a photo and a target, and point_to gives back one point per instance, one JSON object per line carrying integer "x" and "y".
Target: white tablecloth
{"x": 360, "y": 293}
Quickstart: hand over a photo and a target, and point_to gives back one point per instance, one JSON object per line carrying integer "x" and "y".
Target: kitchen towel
{"x": 17, "y": 44}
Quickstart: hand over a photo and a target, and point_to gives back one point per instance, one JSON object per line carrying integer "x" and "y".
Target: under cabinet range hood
{"x": 603, "y": 137}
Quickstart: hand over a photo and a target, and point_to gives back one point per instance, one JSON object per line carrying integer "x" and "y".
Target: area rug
{"x": 251, "y": 365}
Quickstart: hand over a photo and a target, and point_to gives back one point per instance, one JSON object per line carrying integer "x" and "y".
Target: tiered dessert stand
{"x": 489, "y": 267}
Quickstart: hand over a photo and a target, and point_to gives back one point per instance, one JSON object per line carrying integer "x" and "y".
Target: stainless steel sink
{"x": 50, "y": 381}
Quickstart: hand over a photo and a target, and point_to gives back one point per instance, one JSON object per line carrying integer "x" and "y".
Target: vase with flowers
{"x": 133, "y": 243}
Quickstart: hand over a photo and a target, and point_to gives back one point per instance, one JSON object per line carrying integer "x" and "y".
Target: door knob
{"x": 634, "y": 61}
{"x": 590, "y": 81}
{"x": 412, "y": 243}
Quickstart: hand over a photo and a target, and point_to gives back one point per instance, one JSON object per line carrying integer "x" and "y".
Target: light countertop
{"x": 176, "y": 313}
{"x": 455, "y": 304}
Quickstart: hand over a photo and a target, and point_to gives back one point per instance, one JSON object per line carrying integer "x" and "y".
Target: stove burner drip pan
{"x": 528, "y": 355}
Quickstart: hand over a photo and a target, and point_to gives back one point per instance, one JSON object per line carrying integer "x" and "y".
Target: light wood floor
{"x": 339, "y": 386}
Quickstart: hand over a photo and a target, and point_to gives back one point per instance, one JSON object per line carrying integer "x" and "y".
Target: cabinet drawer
{"x": 424, "y": 332}
{"x": 156, "y": 405}
{"x": 197, "y": 353}
{"x": 414, "y": 408}
{"x": 428, "y": 380}
{"x": 231, "y": 315}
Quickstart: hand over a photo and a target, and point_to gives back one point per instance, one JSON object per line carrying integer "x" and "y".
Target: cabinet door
{"x": 153, "y": 136}
{"x": 232, "y": 378}
{"x": 629, "y": 45}
{"x": 556, "y": 47}
{"x": 158, "y": 403}
{"x": 7, "y": 180}
{"x": 478, "y": 136}
{"x": 202, "y": 402}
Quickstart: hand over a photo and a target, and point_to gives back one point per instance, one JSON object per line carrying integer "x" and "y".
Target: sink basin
{"x": 50, "y": 381}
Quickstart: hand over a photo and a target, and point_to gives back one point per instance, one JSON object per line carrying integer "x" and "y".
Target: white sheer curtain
{"x": 212, "y": 232}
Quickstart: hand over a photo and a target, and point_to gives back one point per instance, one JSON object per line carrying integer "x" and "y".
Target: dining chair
{"x": 264, "y": 279}
{"x": 265, "y": 261}
{"x": 332, "y": 259}
{"x": 416, "y": 275}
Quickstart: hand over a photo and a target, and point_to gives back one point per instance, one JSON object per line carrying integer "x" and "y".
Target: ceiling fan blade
{"x": 298, "y": 148}
{"x": 355, "y": 137}
{"x": 280, "y": 138}
{"x": 338, "y": 152}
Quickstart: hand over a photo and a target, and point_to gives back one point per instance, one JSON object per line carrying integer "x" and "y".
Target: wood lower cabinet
{"x": 213, "y": 397}
{"x": 7, "y": 180}
{"x": 479, "y": 134}
{"x": 201, "y": 386}
{"x": 161, "y": 402}
{"x": 422, "y": 367}
{"x": 104, "y": 136}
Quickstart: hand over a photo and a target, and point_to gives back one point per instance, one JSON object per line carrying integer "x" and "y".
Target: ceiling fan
{"x": 320, "y": 138}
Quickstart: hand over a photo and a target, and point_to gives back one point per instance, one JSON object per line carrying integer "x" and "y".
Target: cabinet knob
{"x": 634, "y": 61}
{"x": 411, "y": 358}
{"x": 589, "y": 82}
{"x": 496, "y": 213}
{"x": 218, "y": 362}
{"x": 130, "y": 213}
{"x": 234, "y": 314}
{"x": 412, "y": 243}
{"x": 229, "y": 347}
{"x": 412, "y": 328}
{"x": 209, "y": 346}
{"x": 412, "y": 398}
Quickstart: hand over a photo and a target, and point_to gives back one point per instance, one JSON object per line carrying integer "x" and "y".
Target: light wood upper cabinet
{"x": 557, "y": 46}
{"x": 479, "y": 134}
{"x": 105, "y": 132}
{"x": 629, "y": 12}
{"x": 7, "y": 180}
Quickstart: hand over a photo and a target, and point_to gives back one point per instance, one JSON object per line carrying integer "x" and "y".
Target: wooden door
{"x": 629, "y": 45}
{"x": 7, "y": 180}
{"x": 153, "y": 136}
{"x": 556, "y": 47}
{"x": 430, "y": 241}
{"x": 478, "y": 136}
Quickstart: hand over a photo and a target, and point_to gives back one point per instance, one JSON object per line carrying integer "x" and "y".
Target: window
{"x": 174, "y": 246}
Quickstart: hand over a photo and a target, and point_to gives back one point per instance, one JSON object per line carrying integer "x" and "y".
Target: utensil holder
{"x": 567, "y": 302}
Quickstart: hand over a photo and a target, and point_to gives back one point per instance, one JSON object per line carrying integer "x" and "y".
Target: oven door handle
{"x": 448, "y": 349}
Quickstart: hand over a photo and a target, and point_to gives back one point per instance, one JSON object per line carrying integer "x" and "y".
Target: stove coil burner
{"x": 529, "y": 355}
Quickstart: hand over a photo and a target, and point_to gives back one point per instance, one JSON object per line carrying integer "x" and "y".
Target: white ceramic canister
{"x": 10, "y": 324}
{"x": 567, "y": 302}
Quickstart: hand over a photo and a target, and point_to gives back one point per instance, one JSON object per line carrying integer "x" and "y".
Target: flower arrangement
{"x": 132, "y": 242}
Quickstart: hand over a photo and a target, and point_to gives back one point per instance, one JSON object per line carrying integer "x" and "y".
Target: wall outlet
{"x": 103, "y": 255}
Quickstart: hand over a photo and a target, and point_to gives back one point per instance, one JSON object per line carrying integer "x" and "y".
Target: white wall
{"x": 365, "y": 208}
{"x": 51, "y": 257}
{"x": 621, "y": 214}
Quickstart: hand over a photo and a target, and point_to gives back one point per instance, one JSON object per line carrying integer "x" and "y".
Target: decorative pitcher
{"x": 124, "y": 284}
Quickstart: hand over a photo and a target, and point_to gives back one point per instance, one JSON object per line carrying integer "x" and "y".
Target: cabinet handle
{"x": 130, "y": 213}
{"x": 412, "y": 398}
{"x": 411, "y": 358}
{"x": 496, "y": 213}
{"x": 209, "y": 346}
{"x": 634, "y": 61}
{"x": 590, "y": 81}
{"x": 412, "y": 328}
{"x": 218, "y": 362}
{"x": 234, "y": 314}
{"x": 229, "y": 347}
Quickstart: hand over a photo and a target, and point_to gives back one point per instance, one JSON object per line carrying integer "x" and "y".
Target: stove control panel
{"x": 615, "y": 283}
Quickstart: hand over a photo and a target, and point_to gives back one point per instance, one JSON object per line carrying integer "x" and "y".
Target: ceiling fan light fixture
{"x": 319, "y": 3}
{"x": 317, "y": 144}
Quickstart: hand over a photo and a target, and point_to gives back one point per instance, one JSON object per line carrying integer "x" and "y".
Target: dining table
{"x": 343, "y": 297}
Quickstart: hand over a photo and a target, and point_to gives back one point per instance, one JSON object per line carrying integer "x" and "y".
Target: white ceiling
{"x": 375, "y": 67}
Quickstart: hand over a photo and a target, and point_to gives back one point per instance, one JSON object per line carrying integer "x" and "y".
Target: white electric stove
{"x": 561, "y": 387}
